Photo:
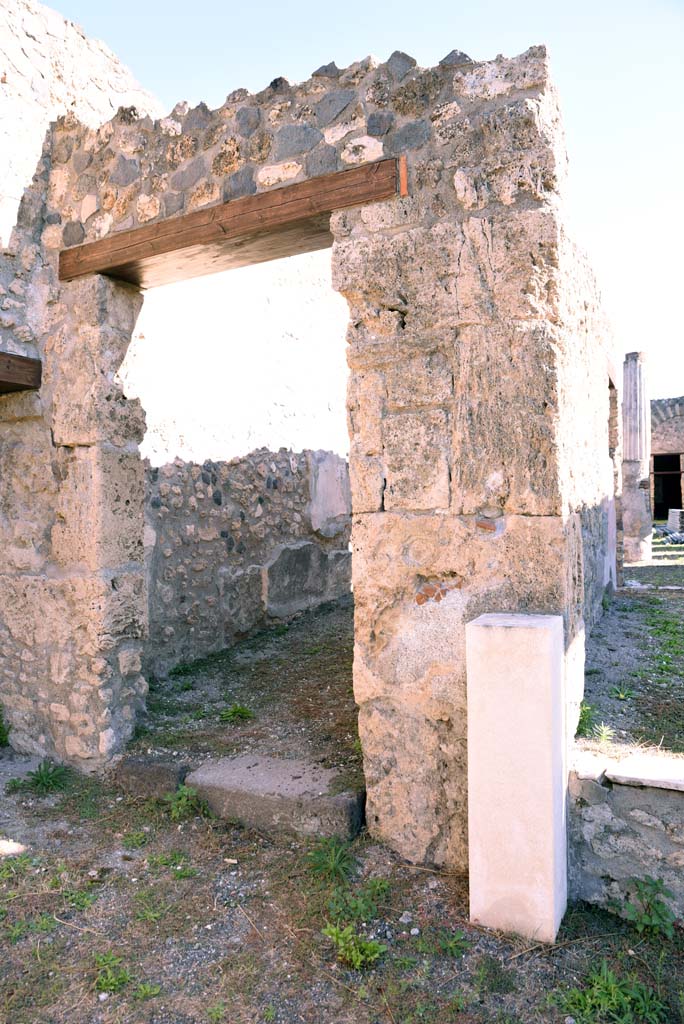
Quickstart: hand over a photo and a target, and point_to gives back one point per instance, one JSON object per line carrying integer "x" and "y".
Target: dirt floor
{"x": 126, "y": 909}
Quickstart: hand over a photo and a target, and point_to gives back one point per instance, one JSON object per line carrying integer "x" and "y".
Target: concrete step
{"x": 277, "y": 794}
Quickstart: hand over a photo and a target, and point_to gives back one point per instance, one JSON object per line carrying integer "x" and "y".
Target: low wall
{"x": 232, "y": 546}
{"x": 626, "y": 821}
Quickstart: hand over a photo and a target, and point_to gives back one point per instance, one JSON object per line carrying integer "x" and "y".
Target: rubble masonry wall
{"x": 478, "y": 407}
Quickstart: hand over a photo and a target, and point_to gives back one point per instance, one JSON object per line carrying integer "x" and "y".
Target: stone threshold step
{"x": 279, "y": 794}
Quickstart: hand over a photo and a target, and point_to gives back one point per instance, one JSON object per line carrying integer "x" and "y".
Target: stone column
{"x": 636, "y": 420}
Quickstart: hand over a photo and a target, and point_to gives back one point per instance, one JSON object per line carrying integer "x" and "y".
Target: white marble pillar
{"x": 636, "y": 465}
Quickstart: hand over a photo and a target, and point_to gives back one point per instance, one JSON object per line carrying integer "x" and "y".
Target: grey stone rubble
{"x": 626, "y": 822}
{"x": 231, "y": 547}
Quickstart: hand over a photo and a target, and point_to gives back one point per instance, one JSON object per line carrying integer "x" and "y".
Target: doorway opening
{"x": 667, "y": 484}
{"x": 247, "y": 515}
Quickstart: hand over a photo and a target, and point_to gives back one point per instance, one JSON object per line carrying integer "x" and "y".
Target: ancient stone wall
{"x": 48, "y": 67}
{"x": 478, "y": 376}
{"x": 624, "y": 830}
{"x": 233, "y": 546}
{"x": 667, "y": 426}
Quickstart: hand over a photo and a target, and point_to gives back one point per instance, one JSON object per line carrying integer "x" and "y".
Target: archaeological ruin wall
{"x": 232, "y": 547}
{"x": 478, "y": 403}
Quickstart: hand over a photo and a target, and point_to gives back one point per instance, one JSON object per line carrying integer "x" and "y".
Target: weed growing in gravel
{"x": 217, "y": 1012}
{"x": 621, "y": 693}
{"x": 332, "y": 859}
{"x": 586, "y": 719}
{"x": 353, "y": 949}
{"x": 185, "y": 803}
{"x": 149, "y": 908}
{"x": 4, "y": 731}
{"x": 135, "y": 840}
{"x": 111, "y": 975}
{"x": 647, "y": 911}
{"x": 492, "y": 976}
{"x": 444, "y": 942}
{"x": 608, "y": 999}
{"x": 47, "y": 778}
{"x": 146, "y": 990}
{"x": 269, "y": 1013}
{"x": 603, "y": 733}
{"x": 363, "y": 905}
{"x": 12, "y": 868}
{"x": 80, "y": 899}
{"x": 236, "y": 713}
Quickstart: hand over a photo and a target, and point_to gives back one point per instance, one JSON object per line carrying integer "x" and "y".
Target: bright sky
{"x": 618, "y": 64}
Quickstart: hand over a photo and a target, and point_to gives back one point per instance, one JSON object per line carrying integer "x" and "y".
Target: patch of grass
{"x": 111, "y": 976}
{"x": 332, "y": 860}
{"x": 12, "y": 868}
{"x": 236, "y": 713}
{"x": 586, "y": 719}
{"x": 47, "y": 778}
{"x": 217, "y": 1012}
{"x": 149, "y": 908}
{"x": 443, "y": 942}
{"x": 608, "y": 999}
{"x": 353, "y": 949}
{"x": 492, "y": 976}
{"x": 135, "y": 840}
{"x": 4, "y": 731}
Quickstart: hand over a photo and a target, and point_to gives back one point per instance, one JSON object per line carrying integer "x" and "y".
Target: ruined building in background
{"x": 667, "y": 455}
{"x": 482, "y": 403}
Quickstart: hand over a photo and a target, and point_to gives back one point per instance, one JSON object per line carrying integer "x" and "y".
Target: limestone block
{"x": 416, "y": 454}
{"x": 416, "y": 794}
{"x": 419, "y": 381}
{"x": 330, "y": 505}
{"x": 274, "y": 793}
{"x": 506, "y": 409}
{"x": 516, "y": 774}
{"x": 367, "y": 482}
{"x": 99, "y": 514}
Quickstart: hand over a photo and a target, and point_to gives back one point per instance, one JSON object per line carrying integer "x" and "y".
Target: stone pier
{"x": 636, "y": 420}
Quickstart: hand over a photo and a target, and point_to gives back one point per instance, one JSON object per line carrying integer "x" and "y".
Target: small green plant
{"x": 4, "y": 731}
{"x": 605, "y": 601}
{"x": 332, "y": 859}
{"x": 80, "y": 899}
{"x": 647, "y": 910}
{"x": 353, "y": 949}
{"x": 149, "y": 908}
{"x": 603, "y": 733}
{"x": 16, "y": 931}
{"x": 236, "y": 713}
{"x": 185, "y": 803}
{"x": 452, "y": 943}
{"x": 492, "y": 976}
{"x": 135, "y": 840}
{"x": 608, "y": 999}
{"x": 146, "y": 990}
{"x": 173, "y": 859}
{"x": 345, "y": 905}
{"x": 586, "y": 719}
{"x": 47, "y": 778}
{"x": 14, "y": 867}
{"x": 217, "y": 1012}
{"x": 111, "y": 976}
{"x": 621, "y": 693}
{"x": 269, "y": 1013}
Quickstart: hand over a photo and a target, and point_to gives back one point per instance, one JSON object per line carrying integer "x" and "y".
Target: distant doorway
{"x": 667, "y": 484}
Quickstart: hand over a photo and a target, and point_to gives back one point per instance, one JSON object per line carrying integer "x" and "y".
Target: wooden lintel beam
{"x": 19, "y": 373}
{"x": 269, "y": 225}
